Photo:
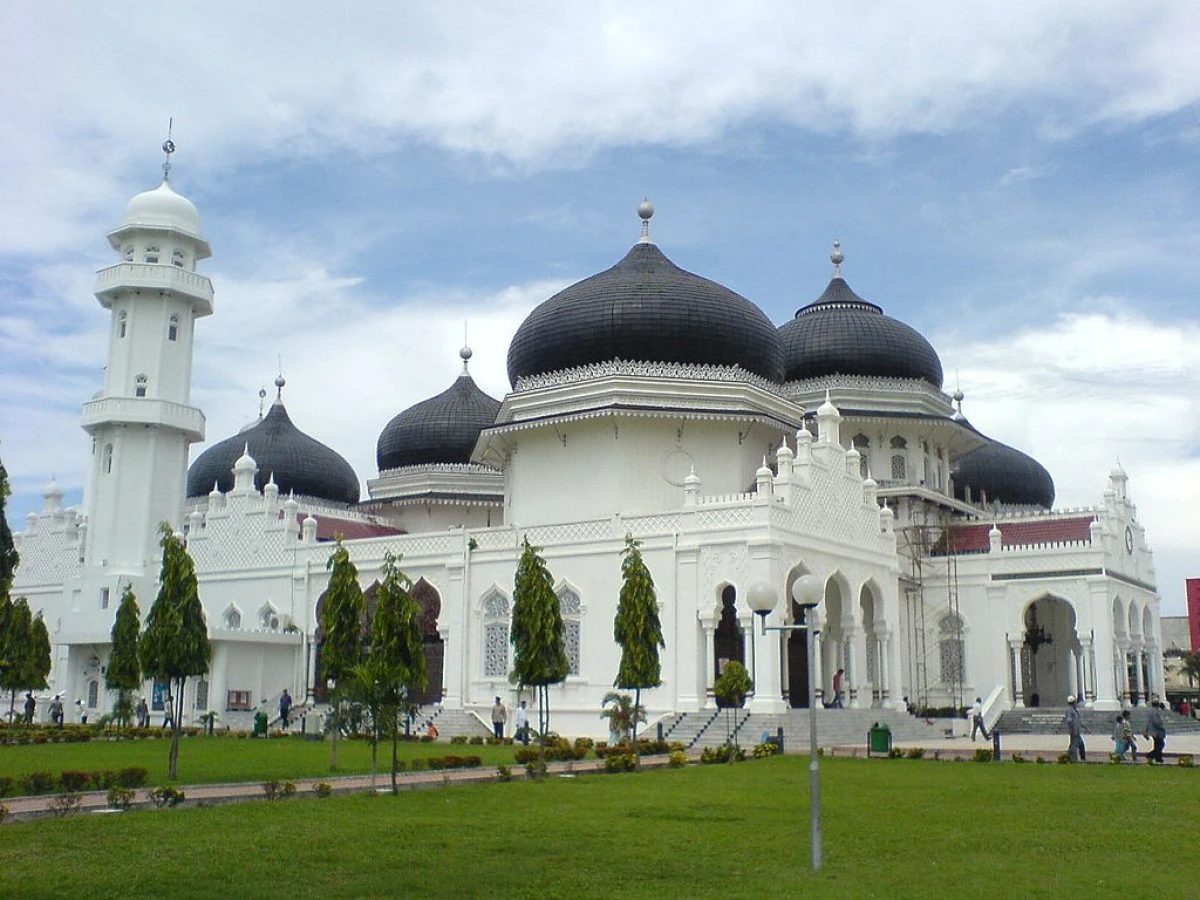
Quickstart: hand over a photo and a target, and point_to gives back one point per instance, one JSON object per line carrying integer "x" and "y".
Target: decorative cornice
{"x": 675, "y": 371}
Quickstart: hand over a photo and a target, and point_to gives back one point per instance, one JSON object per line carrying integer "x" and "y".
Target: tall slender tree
{"x": 342, "y": 620}
{"x": 537, "y": 634}
{"x": 24, "y": 662}
{"x": 9, "y": 560}
{"x": 397, "y": 648}
{"x": 175, "y": 645}
{"x": 638, "y": 631}
{"x": 124, "y": 672}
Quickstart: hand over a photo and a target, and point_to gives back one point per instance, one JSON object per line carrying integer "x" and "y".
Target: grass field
{"x": 892, "y": 829}
{"x": 207, "y": 760}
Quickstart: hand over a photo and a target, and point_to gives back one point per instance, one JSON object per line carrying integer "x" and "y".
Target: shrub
{"x": 535, "y": 770}
{"x": 458, "y": 739}
{"x": 504, "y": 773}
{"x": 1187, "y": 761}
{"x": 419, "y": 765}
{"x": 1064, "y": 759}
{"x": 166, "y": 795}
{"x": 287, "y": 790}
{"x": 526, "y": 755}
{"x": 1039, "y": 761}
{"x": 723, "y": 754}
{"x": 915, "y": 753}
{"x": 1115, "y": 759}
{"x": 3, "y": 813}
{"x": 585, "y": 743}
{"x": 895, "y": 753}
{"x": 677, "y": 760}
{"x": 323, "y": 789}
{"x": 6, "y": 785}
{"x": 133, "y": 776}
{"x": 436, "y": 763}
{"x": 271, "y": 789}
{"x": 120, "y": 797}
{"x": 65, "y": 804}
{"x": 73, "y": 781}
{"x": 983, "y": 754}
{"x": 476, "y": 740}
{"x": 675, "y": 745}
{"x": 103, "y": 779}
{"x": 619, "y": 762}
{"x": 1016, "y": 757}
{"x": 37, "y": 783}
{"x": 762, "y": 751}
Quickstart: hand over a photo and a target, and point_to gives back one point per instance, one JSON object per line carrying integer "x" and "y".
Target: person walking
{"x": 1076, "y": 750}
{"x": 1156, "y": 730}
{"x": 168, "y": 712}
{"x": 30, "y": 707}
{"x": 522, "y": 722}
{"x": 56, "y": 711}
{"x": 143, "y": 713}
{"x": 977, "y": 720}
{"x": 285, "y": 708}
{"x": 838, "y": 677}
{"x": 499, "y": 717}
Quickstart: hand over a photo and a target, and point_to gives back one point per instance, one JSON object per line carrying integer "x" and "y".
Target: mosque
{"x": 645, "y": 401}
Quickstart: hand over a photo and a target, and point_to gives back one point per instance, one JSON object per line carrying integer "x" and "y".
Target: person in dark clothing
{"x": 285, "y": 708}
{"x": 30, "y": 707}
{"x": 1156, "y": 731}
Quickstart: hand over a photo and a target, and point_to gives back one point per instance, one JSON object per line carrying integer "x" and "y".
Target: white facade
{"x": 712, "y": 469}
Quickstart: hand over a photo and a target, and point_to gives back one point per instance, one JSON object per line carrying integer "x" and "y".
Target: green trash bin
{"x": 260, "y": 724}
{"x": 879, "y": 739}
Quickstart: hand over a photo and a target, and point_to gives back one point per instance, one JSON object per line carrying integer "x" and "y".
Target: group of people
{"x": 500, "y": 719}
{"x": 1122, "y": 735}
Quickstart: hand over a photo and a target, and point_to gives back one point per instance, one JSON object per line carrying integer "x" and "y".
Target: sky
{"x": 1017, "y": 181}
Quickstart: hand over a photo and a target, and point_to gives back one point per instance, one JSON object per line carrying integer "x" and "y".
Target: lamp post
{"x": 806, "y": 591}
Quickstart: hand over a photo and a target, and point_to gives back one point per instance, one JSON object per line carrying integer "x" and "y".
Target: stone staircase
{"x": 1049, "y": 720}
{"x": 450, "y": 722}
{"x": 835, "y": 727}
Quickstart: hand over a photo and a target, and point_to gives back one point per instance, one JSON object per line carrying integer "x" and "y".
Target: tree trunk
{"x": 176, "y": 731}
{"x": 395, "y": 741}
{"x": 637, "y": 704}
{"x": 337, "y": 726}
{"x": 374, "y": 748}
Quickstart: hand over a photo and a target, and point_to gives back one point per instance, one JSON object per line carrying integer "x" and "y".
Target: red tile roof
{"x": 329, "y": 527}
{"x": 974, "y": 538}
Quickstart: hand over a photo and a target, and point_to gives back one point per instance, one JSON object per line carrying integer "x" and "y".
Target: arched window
{"x": 899, "y": 443}
{"x": 863, "y": 445}
{"x": 178, "y": 258}
{"x": 139, "y": 386}
{"x": 173, "y": 328}
{"x": 233, "y": 618}
{"x": 93, "y": 693}
{"x": 127, "y": 253}
{"x": 496, "y": 612}
{"x": 201, "y": 694}
{"x": 122, "y": 323}
{"x": 108, "y": 459}
{"x": 572, "y": 611}
{"x": 151, "y": 255}
{"x": 268, "y": 616}
{"x": 950, "y": 649}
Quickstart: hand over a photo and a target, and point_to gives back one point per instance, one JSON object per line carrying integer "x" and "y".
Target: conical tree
{"x": 24, "y": 663}
{"x": 397, "y": 649}
{"x": 175, "y": 644}
{"x": 341, "y": 619}
{"x": 124, "y": 672}
{"x": 638, "y": 631}
{"x": 537, "y": 634}
{"x": 9, "y": 557}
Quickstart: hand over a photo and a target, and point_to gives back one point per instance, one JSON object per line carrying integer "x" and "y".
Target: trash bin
{"x": 260, "y": 724}
{"x": 879, "y": 739}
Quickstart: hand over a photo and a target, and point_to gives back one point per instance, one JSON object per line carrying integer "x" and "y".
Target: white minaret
{"x": 141, "y": 423}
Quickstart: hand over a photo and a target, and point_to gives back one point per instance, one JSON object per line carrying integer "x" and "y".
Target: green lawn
{"x": 892, "y": 829}
{"x": 204, "y": 760}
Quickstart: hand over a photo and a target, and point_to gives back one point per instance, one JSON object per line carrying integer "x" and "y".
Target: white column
{"x": 1137, "y": 688}
{"x": 818, "y": 667}
{"x": 1087, "y": 669}
{"x": 708, "y": 625}
{"x": 768, "y": 685}
{"x": 852, "y": 675}
{"x": 1072, "y": 673}
{"x": 881, "y": 665}
{"x": 1014, "y": 663}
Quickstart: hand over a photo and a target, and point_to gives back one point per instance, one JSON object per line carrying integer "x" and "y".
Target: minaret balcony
{"x": 143, "y": 411}
{"x": 127, "y": 276}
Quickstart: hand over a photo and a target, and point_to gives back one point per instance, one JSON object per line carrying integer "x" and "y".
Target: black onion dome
{"x": 1004, "y": 475}
{"x": 297, "y": 462}
{"x": 646, "y": 309}
{"x": 843, "y": 334}
{"x": 442, "y": 429}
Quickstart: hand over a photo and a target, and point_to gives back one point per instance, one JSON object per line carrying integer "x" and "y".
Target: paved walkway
{"x": 1049, "y": 746}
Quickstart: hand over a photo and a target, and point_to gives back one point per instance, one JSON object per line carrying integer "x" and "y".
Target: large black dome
{"x": 646, "y": 309}
{"x": 843, "y": 334}
{"x": 1003, "y": 475}
{"x": 442, "y": 429}
{"x": 297, "y": 462}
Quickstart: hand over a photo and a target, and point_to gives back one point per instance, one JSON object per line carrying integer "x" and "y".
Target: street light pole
{"x": 806, "y": 591}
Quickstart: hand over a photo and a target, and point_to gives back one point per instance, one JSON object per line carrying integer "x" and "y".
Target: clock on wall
{"x": 1128, "y": 539}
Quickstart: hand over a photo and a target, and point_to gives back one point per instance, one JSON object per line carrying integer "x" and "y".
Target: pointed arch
{"x": 231, "y": 618}
{"x": 429, "y": 600}
{"x": 571, "y": 608}
{"x": 495, "y": 608}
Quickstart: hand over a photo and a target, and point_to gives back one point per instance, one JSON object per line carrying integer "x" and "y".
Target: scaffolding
{"x": 922, "y": 544}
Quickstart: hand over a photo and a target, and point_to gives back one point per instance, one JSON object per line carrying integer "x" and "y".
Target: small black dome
{"x": 646, "y": 309}
{"x": 843, "y": 334}
{"x": 442, "y": 429}
{"x": 297, "y": 462}
{"x": 1004, "y": 475}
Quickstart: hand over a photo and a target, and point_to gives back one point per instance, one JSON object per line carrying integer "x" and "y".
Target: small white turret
{"x": 828, "y": 422}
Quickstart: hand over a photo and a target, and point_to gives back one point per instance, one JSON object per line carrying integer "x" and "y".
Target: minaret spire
{"x": 168, "y": 148}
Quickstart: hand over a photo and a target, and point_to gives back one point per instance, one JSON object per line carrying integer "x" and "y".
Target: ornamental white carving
{"x": 646, "y": 370}
{"x": 495, "y": 650}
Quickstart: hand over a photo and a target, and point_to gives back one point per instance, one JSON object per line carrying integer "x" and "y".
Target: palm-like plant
{"x": 621, "y": 713}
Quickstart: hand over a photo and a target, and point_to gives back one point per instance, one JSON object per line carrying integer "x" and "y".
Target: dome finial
{"x": 280, "y": 381}
{"x": 645, "y": 212}
{"x": 168, "y": 148}
{"x": 262, "y": 396}
{"x": 836, "y": 258}
{"x": 465, "y": 353}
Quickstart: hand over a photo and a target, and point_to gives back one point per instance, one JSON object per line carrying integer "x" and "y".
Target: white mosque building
{"x": 645, "y": 401}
